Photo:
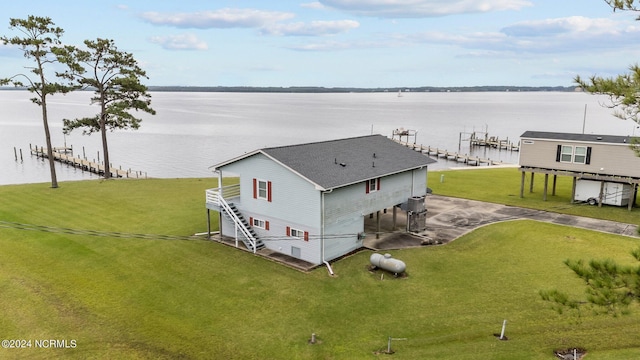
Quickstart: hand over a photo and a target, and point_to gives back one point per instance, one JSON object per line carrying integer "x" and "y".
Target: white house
{"x": 309, "y": 201}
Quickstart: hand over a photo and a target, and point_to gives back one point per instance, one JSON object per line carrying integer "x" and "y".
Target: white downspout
{"x": 322, "y": 233}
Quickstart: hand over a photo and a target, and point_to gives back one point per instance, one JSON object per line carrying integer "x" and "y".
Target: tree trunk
{"x": 47, "y": 135}
{"x": 105, "y": 147}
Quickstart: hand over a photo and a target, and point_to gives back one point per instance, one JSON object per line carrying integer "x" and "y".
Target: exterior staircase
{"x": 243, "y": 230}
{"x": 248, "y": 236}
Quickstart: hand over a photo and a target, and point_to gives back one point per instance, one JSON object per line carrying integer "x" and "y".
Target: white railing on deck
{"x": 213, "y": 197}
{"x": 226, "y": 192}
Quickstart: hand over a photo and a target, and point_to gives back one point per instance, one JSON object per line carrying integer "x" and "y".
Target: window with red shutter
{"x": 262, "y": 189}
{"x": 372, "y": 185}
{"x": 298, "y": 233}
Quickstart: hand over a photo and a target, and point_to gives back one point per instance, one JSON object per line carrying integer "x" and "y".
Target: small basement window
{"x": 298, "y": 233}
{"x": 259, "y": 223}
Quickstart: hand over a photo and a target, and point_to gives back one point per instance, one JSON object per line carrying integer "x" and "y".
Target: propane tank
{"x": 388, "y": 263}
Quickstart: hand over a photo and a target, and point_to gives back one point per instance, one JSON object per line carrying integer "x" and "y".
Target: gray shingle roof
{"x": 613, "y": 139}
{"x": 337, "y": 163}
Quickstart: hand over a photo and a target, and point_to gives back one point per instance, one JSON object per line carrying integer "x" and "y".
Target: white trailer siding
{"x": 605, "y": 158}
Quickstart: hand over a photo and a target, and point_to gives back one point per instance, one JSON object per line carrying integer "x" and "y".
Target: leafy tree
{"x": 39, "y": 41}
{"x": 624, "y": 4}
{"x": 610, "y": 287}
{"x": 623, "y": 90}
{"x": 115, "y": 78}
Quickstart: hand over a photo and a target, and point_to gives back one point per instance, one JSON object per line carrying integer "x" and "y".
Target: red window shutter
{"x": 378, "y": 184}
{"x": 269, "y": 191}
{"x": 367, "y": 186}
{"x": 250, "y": 221}
{"x": 288, "y": 231}
{"x": 306, "y": 236}
{"x": 255, "y": 188}
{"x": 266, "y": 225}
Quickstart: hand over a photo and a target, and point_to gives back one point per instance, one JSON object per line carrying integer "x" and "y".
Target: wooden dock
{"x": 65, "y": 155}
{"x": 451, "y": 155}
{"x": 493, "y": 142}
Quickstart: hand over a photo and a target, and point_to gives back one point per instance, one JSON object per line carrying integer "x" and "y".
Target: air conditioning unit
{"x": 416, "y": 214}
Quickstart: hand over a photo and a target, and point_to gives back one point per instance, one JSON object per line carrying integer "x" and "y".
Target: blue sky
{"x": 349, "y": 43}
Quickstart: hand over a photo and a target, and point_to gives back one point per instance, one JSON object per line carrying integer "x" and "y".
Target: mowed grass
{"x": 502, "y": 185}
{"x": 131, "y": 298}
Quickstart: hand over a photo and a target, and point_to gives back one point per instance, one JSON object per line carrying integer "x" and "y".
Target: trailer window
{"x": 580, "y": 155}
{"x": 567, "y": 153}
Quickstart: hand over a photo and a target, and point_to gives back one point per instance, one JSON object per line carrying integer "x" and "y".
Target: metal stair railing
{"x": 238, "y": 223}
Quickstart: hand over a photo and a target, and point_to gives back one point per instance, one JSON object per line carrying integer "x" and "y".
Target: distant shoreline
{"x": 319, "y": 89}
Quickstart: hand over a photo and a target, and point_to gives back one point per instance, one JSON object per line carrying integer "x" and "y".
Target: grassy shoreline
{"x": 191, "y": 299}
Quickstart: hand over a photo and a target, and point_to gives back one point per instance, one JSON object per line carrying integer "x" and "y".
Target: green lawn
{"x": 502, "y": 185}
{"x": 131, "y": 298}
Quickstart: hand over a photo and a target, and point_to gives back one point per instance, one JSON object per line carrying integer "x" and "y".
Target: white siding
{"x": 294, "y": 202}
{"x": 346, "y": 207}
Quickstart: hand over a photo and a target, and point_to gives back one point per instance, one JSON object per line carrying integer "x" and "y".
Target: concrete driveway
{"x": 449, "y": 218}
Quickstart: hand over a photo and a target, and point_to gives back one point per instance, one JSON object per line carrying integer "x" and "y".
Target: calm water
{"x": 193, "y": 131}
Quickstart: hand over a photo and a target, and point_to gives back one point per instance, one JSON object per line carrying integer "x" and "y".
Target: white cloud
{"x": 559, "y": 26}
{"x": 314, "y": 28}
{"x": 422, "y": 8}
{"x": 549, "y": 37}
{"x": 223, "y": 18}
{"x": 180, "y": 42}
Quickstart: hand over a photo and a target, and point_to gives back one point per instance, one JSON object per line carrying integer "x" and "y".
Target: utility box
{"x": 617, "y": 194}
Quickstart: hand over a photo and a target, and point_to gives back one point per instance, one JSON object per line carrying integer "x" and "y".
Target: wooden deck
{"x": 65, "y": 156}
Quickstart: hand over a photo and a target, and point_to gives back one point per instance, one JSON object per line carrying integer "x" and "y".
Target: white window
{"x": 373, "y": 185}
{"x": 304, "y": 235}
{"x": 262, "y": 189}
{"x": 259, "y": 223}
{"x": 567, "y": 153}
{"x": 580, "y": 155}
{"x": 263, "y": 192}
